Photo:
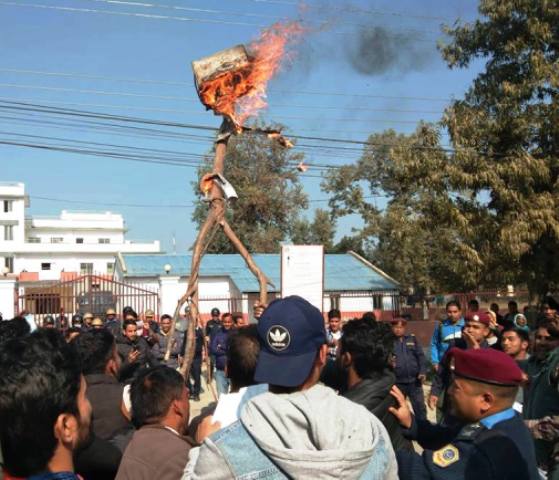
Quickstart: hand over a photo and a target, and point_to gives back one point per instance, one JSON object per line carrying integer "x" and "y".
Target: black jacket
{"x": 374, "y": 394}
{"x": 105, "y": 394}
{"x": 145, "y": 359}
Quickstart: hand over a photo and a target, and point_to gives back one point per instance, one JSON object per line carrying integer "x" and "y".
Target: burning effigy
{"x": 232, "y": 83}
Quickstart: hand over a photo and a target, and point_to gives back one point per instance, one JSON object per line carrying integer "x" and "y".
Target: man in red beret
{"x": 491, "y": 442}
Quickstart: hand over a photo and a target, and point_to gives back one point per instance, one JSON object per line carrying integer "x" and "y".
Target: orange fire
{"x": 241, "y": 93}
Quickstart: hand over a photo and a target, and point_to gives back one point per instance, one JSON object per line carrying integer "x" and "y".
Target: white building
{"x": 62, "y": 247}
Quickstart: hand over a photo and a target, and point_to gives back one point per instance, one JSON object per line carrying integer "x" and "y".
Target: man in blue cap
{"x": 299, "y": 429}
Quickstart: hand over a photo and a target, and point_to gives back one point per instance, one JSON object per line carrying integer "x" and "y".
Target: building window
{"x": 110, "y": 268}
{"x": 34, "y": 240}
{"x": 8, "y": 206}
{"x": 8, "y": 232}
{"x": 79, "y": 240}
{"x": 86, "y": 268}
{"x": 56, "y": 239}
{"x": 104, "y": 240}
{"x": 45, "y": 266}
{"x": 9, "y": 264}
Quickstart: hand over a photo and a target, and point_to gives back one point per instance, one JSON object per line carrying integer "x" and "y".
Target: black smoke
{"x": 379, "y": 51}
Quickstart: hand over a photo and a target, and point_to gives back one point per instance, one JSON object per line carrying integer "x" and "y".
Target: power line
{"x": 188, "y": 84}
{"x": 198, "y": 112}
{"x": 78, "y": 113}
{"x": 354, "y": 9}
{"x": 127, "y": 14}
{"x": 111, "y": 204}
{"x": 238, "y": 14}
{"x": 152, "y": 16}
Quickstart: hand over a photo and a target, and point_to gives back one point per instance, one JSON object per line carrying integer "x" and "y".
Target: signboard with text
{"x": 302, "y": 272}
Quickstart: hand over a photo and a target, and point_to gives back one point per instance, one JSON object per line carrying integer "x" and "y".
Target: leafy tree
{"x": 506, "y": 135}
{"x": 318, "y": 232}
{"x": 270, "y": 194}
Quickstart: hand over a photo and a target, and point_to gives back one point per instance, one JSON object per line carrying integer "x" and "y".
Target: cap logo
{"x": 278, "y": 338}
{"x": 475, "y": 318}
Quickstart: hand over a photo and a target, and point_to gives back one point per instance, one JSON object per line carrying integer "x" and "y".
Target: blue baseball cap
{"x": 291, "y": 330}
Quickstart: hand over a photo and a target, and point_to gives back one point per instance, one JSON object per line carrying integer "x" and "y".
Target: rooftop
{"x": 342, "y": 272}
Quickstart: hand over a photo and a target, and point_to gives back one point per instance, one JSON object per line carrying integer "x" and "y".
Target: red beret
{"x": 486, "y": 365}
{"x": 481, "y": 317}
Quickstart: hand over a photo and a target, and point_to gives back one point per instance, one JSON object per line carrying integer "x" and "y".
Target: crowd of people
{"x": 102, "y": 397}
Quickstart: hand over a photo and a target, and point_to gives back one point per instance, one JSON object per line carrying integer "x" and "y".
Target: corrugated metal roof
{"x": 343, "y": 272}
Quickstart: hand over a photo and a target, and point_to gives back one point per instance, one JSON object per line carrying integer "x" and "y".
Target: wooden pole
{"x": 214, "y": 220}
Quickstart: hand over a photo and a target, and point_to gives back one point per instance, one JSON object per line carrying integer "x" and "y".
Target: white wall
{"x": 59, "y": 262}
{"x": 7, "y": 292}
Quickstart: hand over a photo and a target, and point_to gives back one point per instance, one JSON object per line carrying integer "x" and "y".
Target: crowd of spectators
{"x": 102, "y": 397}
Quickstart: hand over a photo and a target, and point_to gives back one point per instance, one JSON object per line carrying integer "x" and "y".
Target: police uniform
{"x": 498, "y": 446}
{"x": 409, "y": 364}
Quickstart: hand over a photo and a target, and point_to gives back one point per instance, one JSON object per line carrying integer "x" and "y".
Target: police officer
{"x": 409, "y": 366}
{"x": 112, "y": 324}
{"x": 77, "y": 321}
{"x": 491, "y": 441}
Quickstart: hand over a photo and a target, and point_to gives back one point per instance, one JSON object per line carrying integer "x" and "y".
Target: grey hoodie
{"x": 309, "y": 434}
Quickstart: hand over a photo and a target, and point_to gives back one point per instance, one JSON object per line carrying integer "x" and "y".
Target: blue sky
{"x": 127, "y": 58}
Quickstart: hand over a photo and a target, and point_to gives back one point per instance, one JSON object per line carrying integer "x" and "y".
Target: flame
{"x": 240, "y": 94}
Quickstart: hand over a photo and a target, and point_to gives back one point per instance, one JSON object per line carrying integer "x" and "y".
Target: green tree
{"x": 270, "y": 194}
{"x": 320, "y": 231}
{"x": 506, "y": 135}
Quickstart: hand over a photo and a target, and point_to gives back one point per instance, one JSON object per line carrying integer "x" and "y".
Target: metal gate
{"x": 88, "y": 293}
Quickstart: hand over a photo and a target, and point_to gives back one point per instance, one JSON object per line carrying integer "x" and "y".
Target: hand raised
{"x": 401, "y": 411}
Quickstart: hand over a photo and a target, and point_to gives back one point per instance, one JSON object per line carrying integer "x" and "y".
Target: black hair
{"x": 522, "y": 334}
{"x": 494, "y": 307}
{"x": 369, "y": 317}
{"x": 130, "y": 313}
{"x": 128, "y": 322}
{"x": 236, "y": 317}
{"x": 15, "y": 328}
{"x": 453, "y": 303}
{"x": 152, "y": 393}
{"x": 40, "y": 379}
{"x": 243, "y": 348}
{"x": 473, "y": 301}
{"x": 95, "y": 348}
{"x": 166, "y": 316}
{"x": 334, "y": 313}
{"x": 513, "y": 303}
{"x": 370, "y": 345}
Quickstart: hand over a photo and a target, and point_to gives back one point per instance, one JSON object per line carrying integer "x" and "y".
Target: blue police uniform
{"x": 409, "y": 364}
{"x": 498, "y": 447}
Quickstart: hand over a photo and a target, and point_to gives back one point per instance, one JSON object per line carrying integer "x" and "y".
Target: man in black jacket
{"x": 100, "y": 366}
{"x": 134, "y": 351}
{"x": 364, "y": 353}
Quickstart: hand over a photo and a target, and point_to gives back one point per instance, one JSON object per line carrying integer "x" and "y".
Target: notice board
{"x": 302, "y": 272}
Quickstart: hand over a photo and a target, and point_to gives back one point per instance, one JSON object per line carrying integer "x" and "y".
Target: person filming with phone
{"x": 135, "y": 352}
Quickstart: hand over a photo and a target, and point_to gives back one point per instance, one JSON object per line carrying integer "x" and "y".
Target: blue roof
{"x": 343, "y": 272}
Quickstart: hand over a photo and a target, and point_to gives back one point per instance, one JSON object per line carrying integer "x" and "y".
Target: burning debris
{"x": 233, "y": 84}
